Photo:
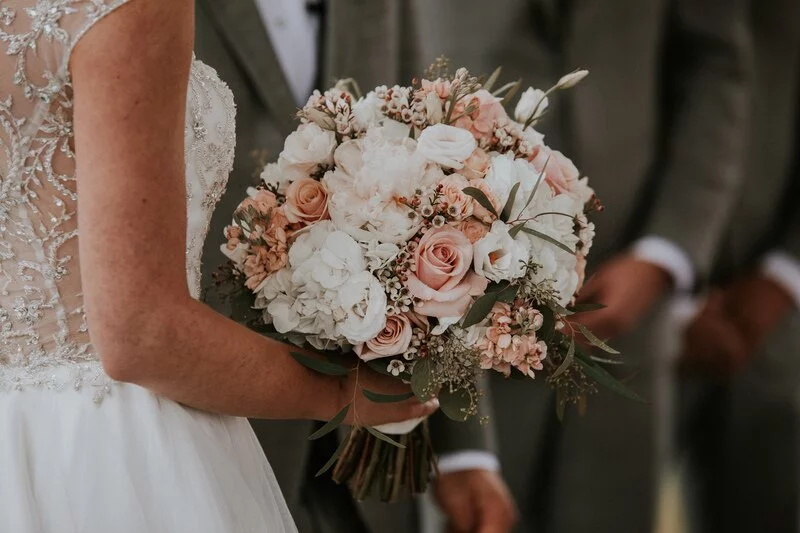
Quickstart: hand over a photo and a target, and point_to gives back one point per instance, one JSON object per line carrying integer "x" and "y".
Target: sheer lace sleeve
{"x": 42, "y": 323}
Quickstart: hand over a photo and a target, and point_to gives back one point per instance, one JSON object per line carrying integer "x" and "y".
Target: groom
{"x": 272, "y": 54}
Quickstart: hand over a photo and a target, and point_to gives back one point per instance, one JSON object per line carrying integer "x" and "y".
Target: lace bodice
{"x": 44, "y": 339}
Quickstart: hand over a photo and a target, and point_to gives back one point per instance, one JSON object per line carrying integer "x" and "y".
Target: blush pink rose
{"x": 477, "y": 165}
{"x": 480, "y": 212}
{"x": 443, "y": 280}
{"x": 452, "y": 191}
{"x": 473, "y": 229}
{"x": 306, "y": 202}
{"x": 560, "y": 174}
{"x": 480, "y": 113}
{"x": 394, "y": 339}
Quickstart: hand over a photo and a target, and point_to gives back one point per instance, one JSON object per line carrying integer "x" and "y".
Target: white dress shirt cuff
{"x": 669, "y": 256}
{"x": 468, "y": 460}
{"x": 784, "y": 270}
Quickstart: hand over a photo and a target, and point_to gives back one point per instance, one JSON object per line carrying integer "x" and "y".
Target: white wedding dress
{"x": 78, "y": 452}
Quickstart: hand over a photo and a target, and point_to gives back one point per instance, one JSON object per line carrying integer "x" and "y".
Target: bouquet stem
{"x": 368, "y": 464}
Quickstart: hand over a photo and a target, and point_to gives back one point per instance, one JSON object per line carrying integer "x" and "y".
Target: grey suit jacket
{"x": 766, "y": 215}
{"x": 363, "y": 40}
{"x": 672, "y": 174}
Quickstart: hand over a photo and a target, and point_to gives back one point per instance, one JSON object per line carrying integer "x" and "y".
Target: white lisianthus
{"x": 363, "y": 301}
{"x": 309, "y": 146}
{"x": 572, "y": 79}
{"x": 498, "y": 256}
{"x": 528, "y": 103}
{"x": 504, "y": 173}
{"x": 433, "y": 108}
{"x": 446, "y": 145}
{"x": 367, "y": 111}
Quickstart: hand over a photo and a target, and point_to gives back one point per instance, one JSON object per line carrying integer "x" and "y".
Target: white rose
{"x": 528, "y": 102}
{"x": 446, "y": 145}
{"x": 309, "y": 146}
{"x": 497, "y": 256}
{"x": 364, "y": 302}
{"x": 367, "y": 111}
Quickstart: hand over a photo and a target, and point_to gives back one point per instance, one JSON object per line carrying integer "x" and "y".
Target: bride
{"x": 120, "y": 394}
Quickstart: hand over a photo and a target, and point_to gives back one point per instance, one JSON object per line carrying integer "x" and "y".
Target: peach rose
{"x": 480, "y": 212}
{"x": 443, "y": 280}
{"x": 561, "y": 174}
{"x": 473, "y": 228}
{"x": 394, "y": 339}
{"x": 459, "y": 204}
{"x": 306, "y": 201}
{"x": 487, "y": 112}
{"x": 477, "y": 165}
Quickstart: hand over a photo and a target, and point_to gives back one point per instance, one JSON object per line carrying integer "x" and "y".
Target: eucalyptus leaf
{"x": 538, "y": 182}
{"x": 317, "y": 365}
{"x": 385, "y": 438}
{"x": 586, "y": 308}
{"x": 332, "y": 461}
{"x": 594, "y": 340}
{"x": 512, "y": 92}
{"x": 605, "y": 379}
{"x": 331, "y": 425}
{"x": 481, "y": 198}
{"x": 506, "y": 213}
{"x": 514, "y": 231}
{"x": 489, "y": 83}
{"x": 606, "y": 360}
{"x": 549, "y": 239}
{"x": 421, "y": 379}
{"x": 483, "y": 306}
{"x": 567, "y": 362}
{"x": 455, "y": 404}
{"x": 386, "y": 398}
{"x": 379, "y": 366}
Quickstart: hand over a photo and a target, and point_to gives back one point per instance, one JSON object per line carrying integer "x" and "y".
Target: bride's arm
{"x": 130, "y": 76}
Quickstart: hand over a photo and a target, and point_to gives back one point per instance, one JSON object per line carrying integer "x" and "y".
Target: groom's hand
{"x": 475, "y": 501}
{"x": 628, "y": 287}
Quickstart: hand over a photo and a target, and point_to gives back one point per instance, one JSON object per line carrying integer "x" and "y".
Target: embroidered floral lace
{"x": 44, "y": 339}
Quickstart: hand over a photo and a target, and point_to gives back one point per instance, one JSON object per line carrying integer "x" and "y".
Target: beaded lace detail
{"x": 44, "y": 339}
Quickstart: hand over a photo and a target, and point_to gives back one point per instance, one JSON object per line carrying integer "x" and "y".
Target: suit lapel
{"x": 240, "y": 23}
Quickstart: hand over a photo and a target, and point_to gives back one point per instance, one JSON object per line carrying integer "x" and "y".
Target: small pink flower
{"x": 439, "y": 86}
{"x": 510, "y": 341}
{"x": 485, "y": 113}
{"x": 443, "y": 280}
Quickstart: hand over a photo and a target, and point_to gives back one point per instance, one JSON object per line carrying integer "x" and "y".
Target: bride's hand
{"x": 364, "y": 412}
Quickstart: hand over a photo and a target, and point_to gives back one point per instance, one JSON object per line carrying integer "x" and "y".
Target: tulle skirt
{"x": 134, "y": 463}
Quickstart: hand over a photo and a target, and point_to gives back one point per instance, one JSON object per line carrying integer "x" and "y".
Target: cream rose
{"x": 442, "y": 280}
{"x": 394, "y": 339}
{"x": 473, "y": 229}
{"x": 306, "y": 201}
{"x": 308, "y": 147}
{"x": 477, "y": 165}
{"x": 446, "y": 145}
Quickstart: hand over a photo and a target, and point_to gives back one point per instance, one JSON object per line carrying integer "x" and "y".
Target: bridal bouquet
{"x": 425, "y": 232}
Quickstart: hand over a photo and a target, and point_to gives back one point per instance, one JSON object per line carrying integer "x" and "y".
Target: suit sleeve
{"x": 708, "y": 68}
{"x": 451, "y": 437}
